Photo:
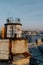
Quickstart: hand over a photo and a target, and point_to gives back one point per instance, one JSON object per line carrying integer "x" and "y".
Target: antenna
{"x": 8, "y": 13}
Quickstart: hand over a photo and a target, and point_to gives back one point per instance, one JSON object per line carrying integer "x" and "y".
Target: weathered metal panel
{"x": 19, "y": 46}
{"x": 23, "y": 61}
{"x": 18, "y": 30}
{"x": 9, "y": 31}
{"x": 4, "y": 49}
{"x": 39, "y": 42}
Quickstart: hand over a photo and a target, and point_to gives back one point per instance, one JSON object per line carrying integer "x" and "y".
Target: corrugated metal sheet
{"x": 4, "y": 49}
{"x": 19, "y": 46}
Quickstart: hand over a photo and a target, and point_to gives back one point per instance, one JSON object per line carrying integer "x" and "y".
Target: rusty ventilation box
{"x": 13, "y": 30}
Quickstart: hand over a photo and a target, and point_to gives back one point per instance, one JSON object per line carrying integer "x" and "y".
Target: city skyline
{"x": 29, "y": 11}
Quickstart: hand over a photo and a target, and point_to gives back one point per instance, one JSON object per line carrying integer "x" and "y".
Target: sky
{"x": 29, "y": 11}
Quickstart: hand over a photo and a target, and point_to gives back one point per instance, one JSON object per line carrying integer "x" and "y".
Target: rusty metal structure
{"x": 17, "y": 44}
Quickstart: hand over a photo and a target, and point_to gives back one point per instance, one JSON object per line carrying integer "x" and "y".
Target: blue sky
{"x": 29, "y": 11}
